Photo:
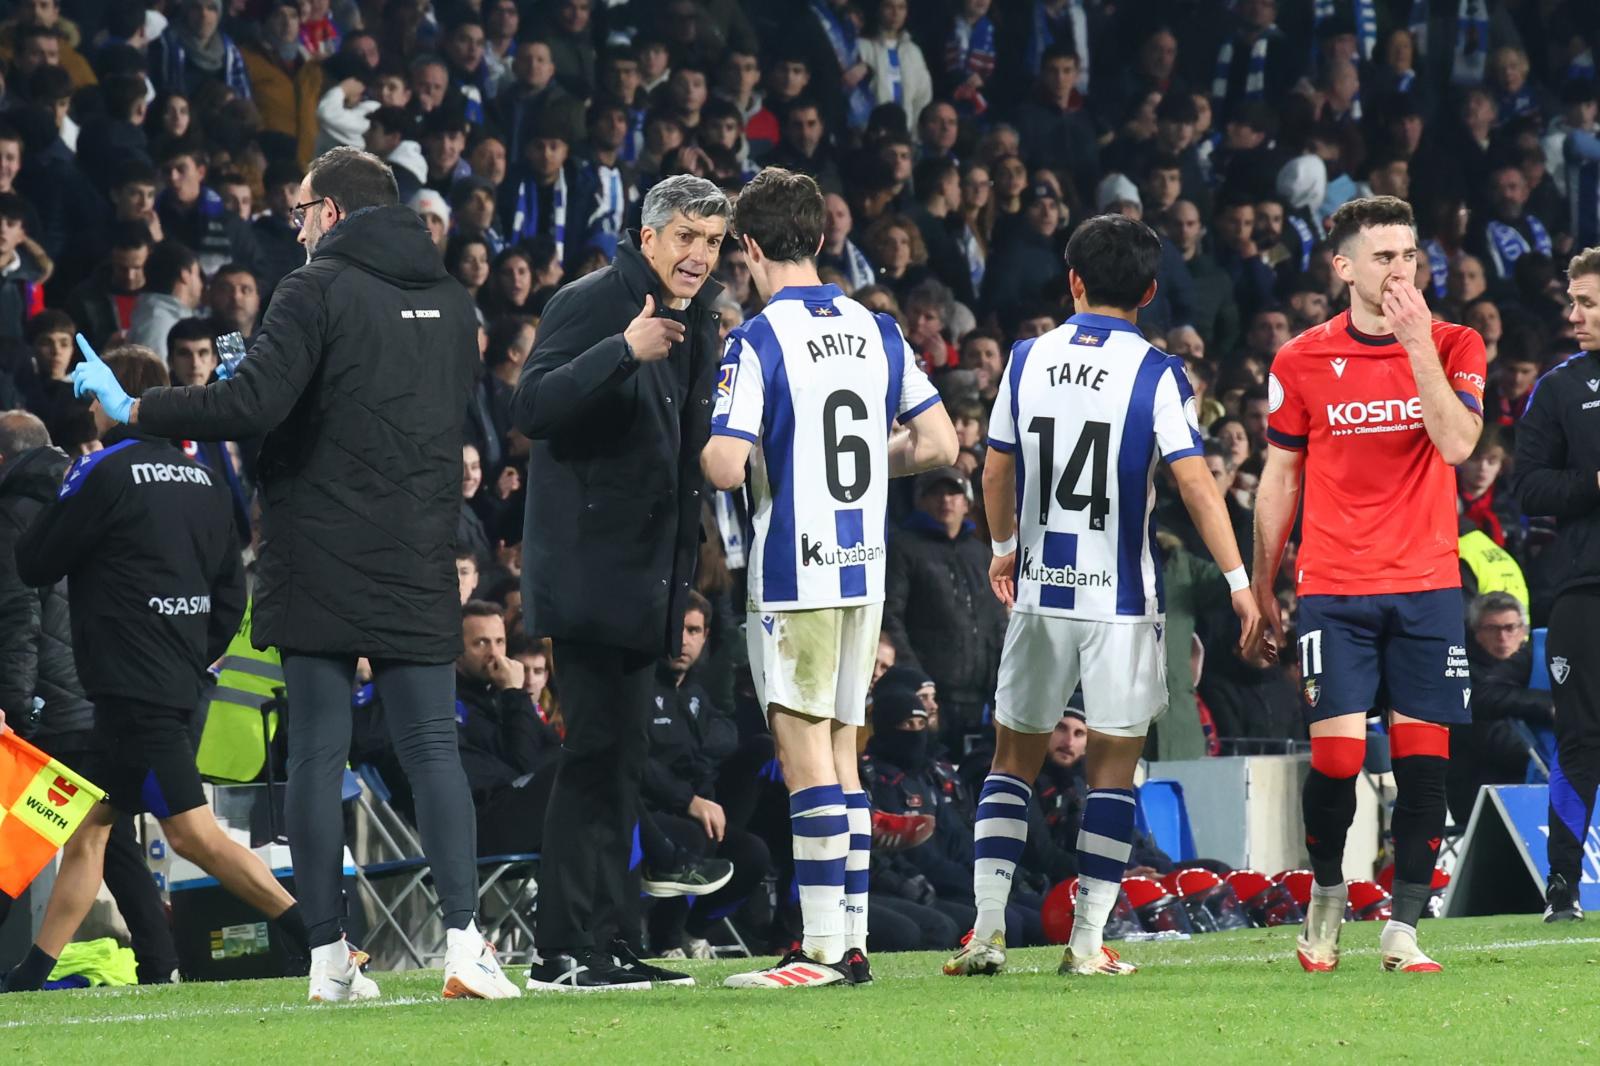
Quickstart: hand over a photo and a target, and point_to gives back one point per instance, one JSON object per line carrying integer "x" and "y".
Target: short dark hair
{"x": 131, "y": 233}
{"x": 929, "y": 173}
{"x": 392, "y": 119}
{"x": 697, "y": 602}
{"x": 137, "y": 368}
{"x": 168, "y": 261}
{"x": 191, "y": 329}
{"x": 1117, "y": 258}
{"x": 503, "y": 333}
{"x": 121, "y": 92}
{"x": 481, "y": 608}
{"x": 183, "y": 146}
{"x": 13, "y": 207}
{"x": 1354, "y": 216}
{"x": 48, "y": 84}
{"x": 49, "y": 321}
{"x": 353, "y": 179}
{"x": 782, "y": 212}
{"x": 133, "y": 171}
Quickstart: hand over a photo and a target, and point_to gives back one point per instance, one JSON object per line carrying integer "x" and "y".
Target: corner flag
{"x": 41, "y": 804}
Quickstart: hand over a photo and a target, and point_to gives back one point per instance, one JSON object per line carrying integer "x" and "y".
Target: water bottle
{"x": 230, "y": 353}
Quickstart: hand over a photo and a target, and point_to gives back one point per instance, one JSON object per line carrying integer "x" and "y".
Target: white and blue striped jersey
{"x": 816, "y": 382}
{"x": 1086, "y": 409}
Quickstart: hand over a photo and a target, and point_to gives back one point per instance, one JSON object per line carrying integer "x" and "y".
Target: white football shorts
{"x": 1122, "y": 665}
{"x": 817, "y": 663}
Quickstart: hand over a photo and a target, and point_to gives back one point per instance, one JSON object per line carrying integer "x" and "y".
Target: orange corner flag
{"x": 41, "y": 804}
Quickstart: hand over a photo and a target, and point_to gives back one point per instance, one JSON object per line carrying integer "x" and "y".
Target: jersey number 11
{"x": 1093, "y": 450}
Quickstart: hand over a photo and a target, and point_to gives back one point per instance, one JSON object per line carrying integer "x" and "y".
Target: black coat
{"x": 145, "y": 537}
{"x": 938, "y": 606}
{"x": 689, "y": 739}
{"x": 614, "y": 482}
{"x": 35, "y": 624}
{"x": 359, "y": 378}
{"x": 500, "y": 735}
{"x": 1558, "y": 450}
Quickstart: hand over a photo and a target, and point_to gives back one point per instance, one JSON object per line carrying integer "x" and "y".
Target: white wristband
{"x": 1238, "y": 580}
{"x": 1004, "y": 547}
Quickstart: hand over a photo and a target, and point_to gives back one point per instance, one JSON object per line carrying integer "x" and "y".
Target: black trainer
{"x": 630, "y": 963}
{"x": 589, "y": 971}
{"x": 688, "y": 876}
{"x": 1560, "y": 902}
{"x": 855, "y": 960}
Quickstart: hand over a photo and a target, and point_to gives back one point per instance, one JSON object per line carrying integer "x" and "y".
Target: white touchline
{"x": 209, "y": 1012}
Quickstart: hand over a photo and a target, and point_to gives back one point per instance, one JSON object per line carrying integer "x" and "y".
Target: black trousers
{"x": 1575, "y": 685}
{"x": 127, "y": 875}
{"x": 670, "y": 919}
{"x": 606, "y": 697}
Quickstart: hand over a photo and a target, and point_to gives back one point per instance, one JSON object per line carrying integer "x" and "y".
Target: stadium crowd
{"x": 150, "y": 157}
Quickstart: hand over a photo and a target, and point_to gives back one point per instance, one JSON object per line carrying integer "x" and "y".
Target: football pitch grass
{"x": 1513, "y": 990}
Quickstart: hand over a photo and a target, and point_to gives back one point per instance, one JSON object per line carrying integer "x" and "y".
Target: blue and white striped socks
{"x": 999, "y": 835}
{"x": 856, "y": 868}
{"x": 821, "y": 851}
{"x": 1104, "y": 843}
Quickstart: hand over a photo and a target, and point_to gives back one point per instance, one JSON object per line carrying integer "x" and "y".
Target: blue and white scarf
{"x": 611, "y": 212}
{"x": 846, "y": 49}
{"x": 1417, "y": 23}
{"x": 1366, "y": 28}
{"x": 897, "y": 86}
{"x": 859, "y": 269}
{"x": 1472, "y": 43}
{"x": 1307, "y": 240}
{"x": 1508, "y": 244}
{"x": 1438, "y": 265}
{"x": 633, "y": 142}
{"x": 974, "y": 254}
{"x": 525, "y": 220}
{"x": 1047, "y": 29}
{"x": 1255, "y": 81}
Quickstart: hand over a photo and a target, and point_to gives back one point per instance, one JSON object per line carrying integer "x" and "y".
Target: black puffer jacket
{"x": 939, "y": 606}
{"x": 35, "y": 624}
{"x": 359, "y": 378}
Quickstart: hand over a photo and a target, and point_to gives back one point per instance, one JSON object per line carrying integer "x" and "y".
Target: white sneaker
{"x": 1106, "y": 963}
{"x": 1400, "y": 951}
{"x": 1317, "y": 947}
{"x": 795, "y": 970}
{"x": 471, "y": 970}
{"x": 986, "y": 957}
{"x": 336, "y": 975}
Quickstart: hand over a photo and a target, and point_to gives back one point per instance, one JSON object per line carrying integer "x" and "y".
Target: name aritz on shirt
{"x": 830, "y": 344}
{"x": 1067, "y": 577}
{"x": 813, "y": 554}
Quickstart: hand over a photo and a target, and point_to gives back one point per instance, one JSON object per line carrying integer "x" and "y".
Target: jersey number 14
{"x": 1092, "y": 450}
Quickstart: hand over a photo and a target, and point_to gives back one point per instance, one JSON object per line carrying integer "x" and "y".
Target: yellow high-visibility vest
{"x": 1493, "y": 566}
{"x": 232, "y": 747}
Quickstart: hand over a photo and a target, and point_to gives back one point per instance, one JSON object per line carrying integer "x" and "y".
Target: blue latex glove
{"x": 92, "y": 376}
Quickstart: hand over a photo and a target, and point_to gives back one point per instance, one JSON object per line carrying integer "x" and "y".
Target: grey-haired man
{"x": 616, "y": 398}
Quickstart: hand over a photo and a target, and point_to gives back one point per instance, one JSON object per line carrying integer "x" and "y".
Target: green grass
{"x": 1513, "y": 990}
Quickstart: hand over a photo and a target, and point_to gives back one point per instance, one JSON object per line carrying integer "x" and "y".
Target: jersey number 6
{"x": 1093, "y": 449}
{"x": 836, "y": 445}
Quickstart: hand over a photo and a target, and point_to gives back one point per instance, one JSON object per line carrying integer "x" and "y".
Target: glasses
{"x": 297, "y": 213}
{"x": 1506, "y": 630}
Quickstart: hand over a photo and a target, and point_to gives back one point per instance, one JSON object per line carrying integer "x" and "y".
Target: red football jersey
{"x": 1379, "y": 501}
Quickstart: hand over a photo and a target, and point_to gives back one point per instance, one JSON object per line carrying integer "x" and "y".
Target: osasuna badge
{"x": 1559, "y": 668}
{"x": 1313, "y": 691}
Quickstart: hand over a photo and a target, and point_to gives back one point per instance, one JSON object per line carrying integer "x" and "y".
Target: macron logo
{"x": 427, "y": 312}
{"x": 148, "y": 472}
{"x": 1338, "y": 367}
